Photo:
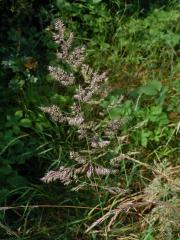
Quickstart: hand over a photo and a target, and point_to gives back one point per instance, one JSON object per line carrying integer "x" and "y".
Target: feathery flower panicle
{"x": 60, "y": 28}
{"x": 114, "y": 125}
{"x": 77, "y": 116}
{"x": 99, "y": 144}
{"x": 59, "y": 38}
{"x": 75, "y": 121}
{"x": 83, "y": 95}
{"x": 61, "y": 76}
{"x": 76, "y": 57}
{"x": 67, "y": 175}
{"x": 79, "y": 187}
{"x": 64, "y": 175}
{"x": 88, "y": 168}
{"x": 94, "y": 81}
{"x": 75, "y": 109}
{"x": 54, "y": 113}
{"x": 86, "y": 72}
{"x": 105, "y": 171}
{"x": 86, "y": 129}
{"x": 82, "y": 133}
{"x": 91, "y": 171}
{"x": 78, "y": 158}
{"x": 98, "y": 78}
{"x": 57, "y": 116}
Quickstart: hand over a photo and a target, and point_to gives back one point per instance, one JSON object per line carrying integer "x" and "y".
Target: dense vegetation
{"x": 116, "y": 154}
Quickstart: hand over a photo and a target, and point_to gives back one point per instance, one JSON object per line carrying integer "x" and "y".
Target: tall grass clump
{"x": 101, "y": 136}
{"x": 92, "y": 131}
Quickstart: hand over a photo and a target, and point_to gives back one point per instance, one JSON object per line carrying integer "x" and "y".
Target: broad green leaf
{"x": 97, "y": 1}
{"x": 115, "y": 113}
{"x": 151, "y": 88}
{"x": 25, "y": 122}
{"x": 156, "y": 85}
{"x": 18, "y": 114}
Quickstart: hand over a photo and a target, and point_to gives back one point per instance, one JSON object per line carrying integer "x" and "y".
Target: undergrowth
{"x": 105, "y": 138}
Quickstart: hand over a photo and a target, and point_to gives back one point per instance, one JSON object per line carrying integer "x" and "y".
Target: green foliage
{"x": 140, "y": 60}
{"x": 154, "y": 118}
{"x": 92, "y": 15}
{"x": 23, "y": 52}
{"x": 151, "y": 88}
{"x": 18, "y": 146}
{"x": 12, "y": 143}
{"x": 24, "y": 41}
{"x": 138, "y": 43}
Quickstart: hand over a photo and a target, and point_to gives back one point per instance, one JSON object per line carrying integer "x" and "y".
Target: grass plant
{"x": 102, "y": 131}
